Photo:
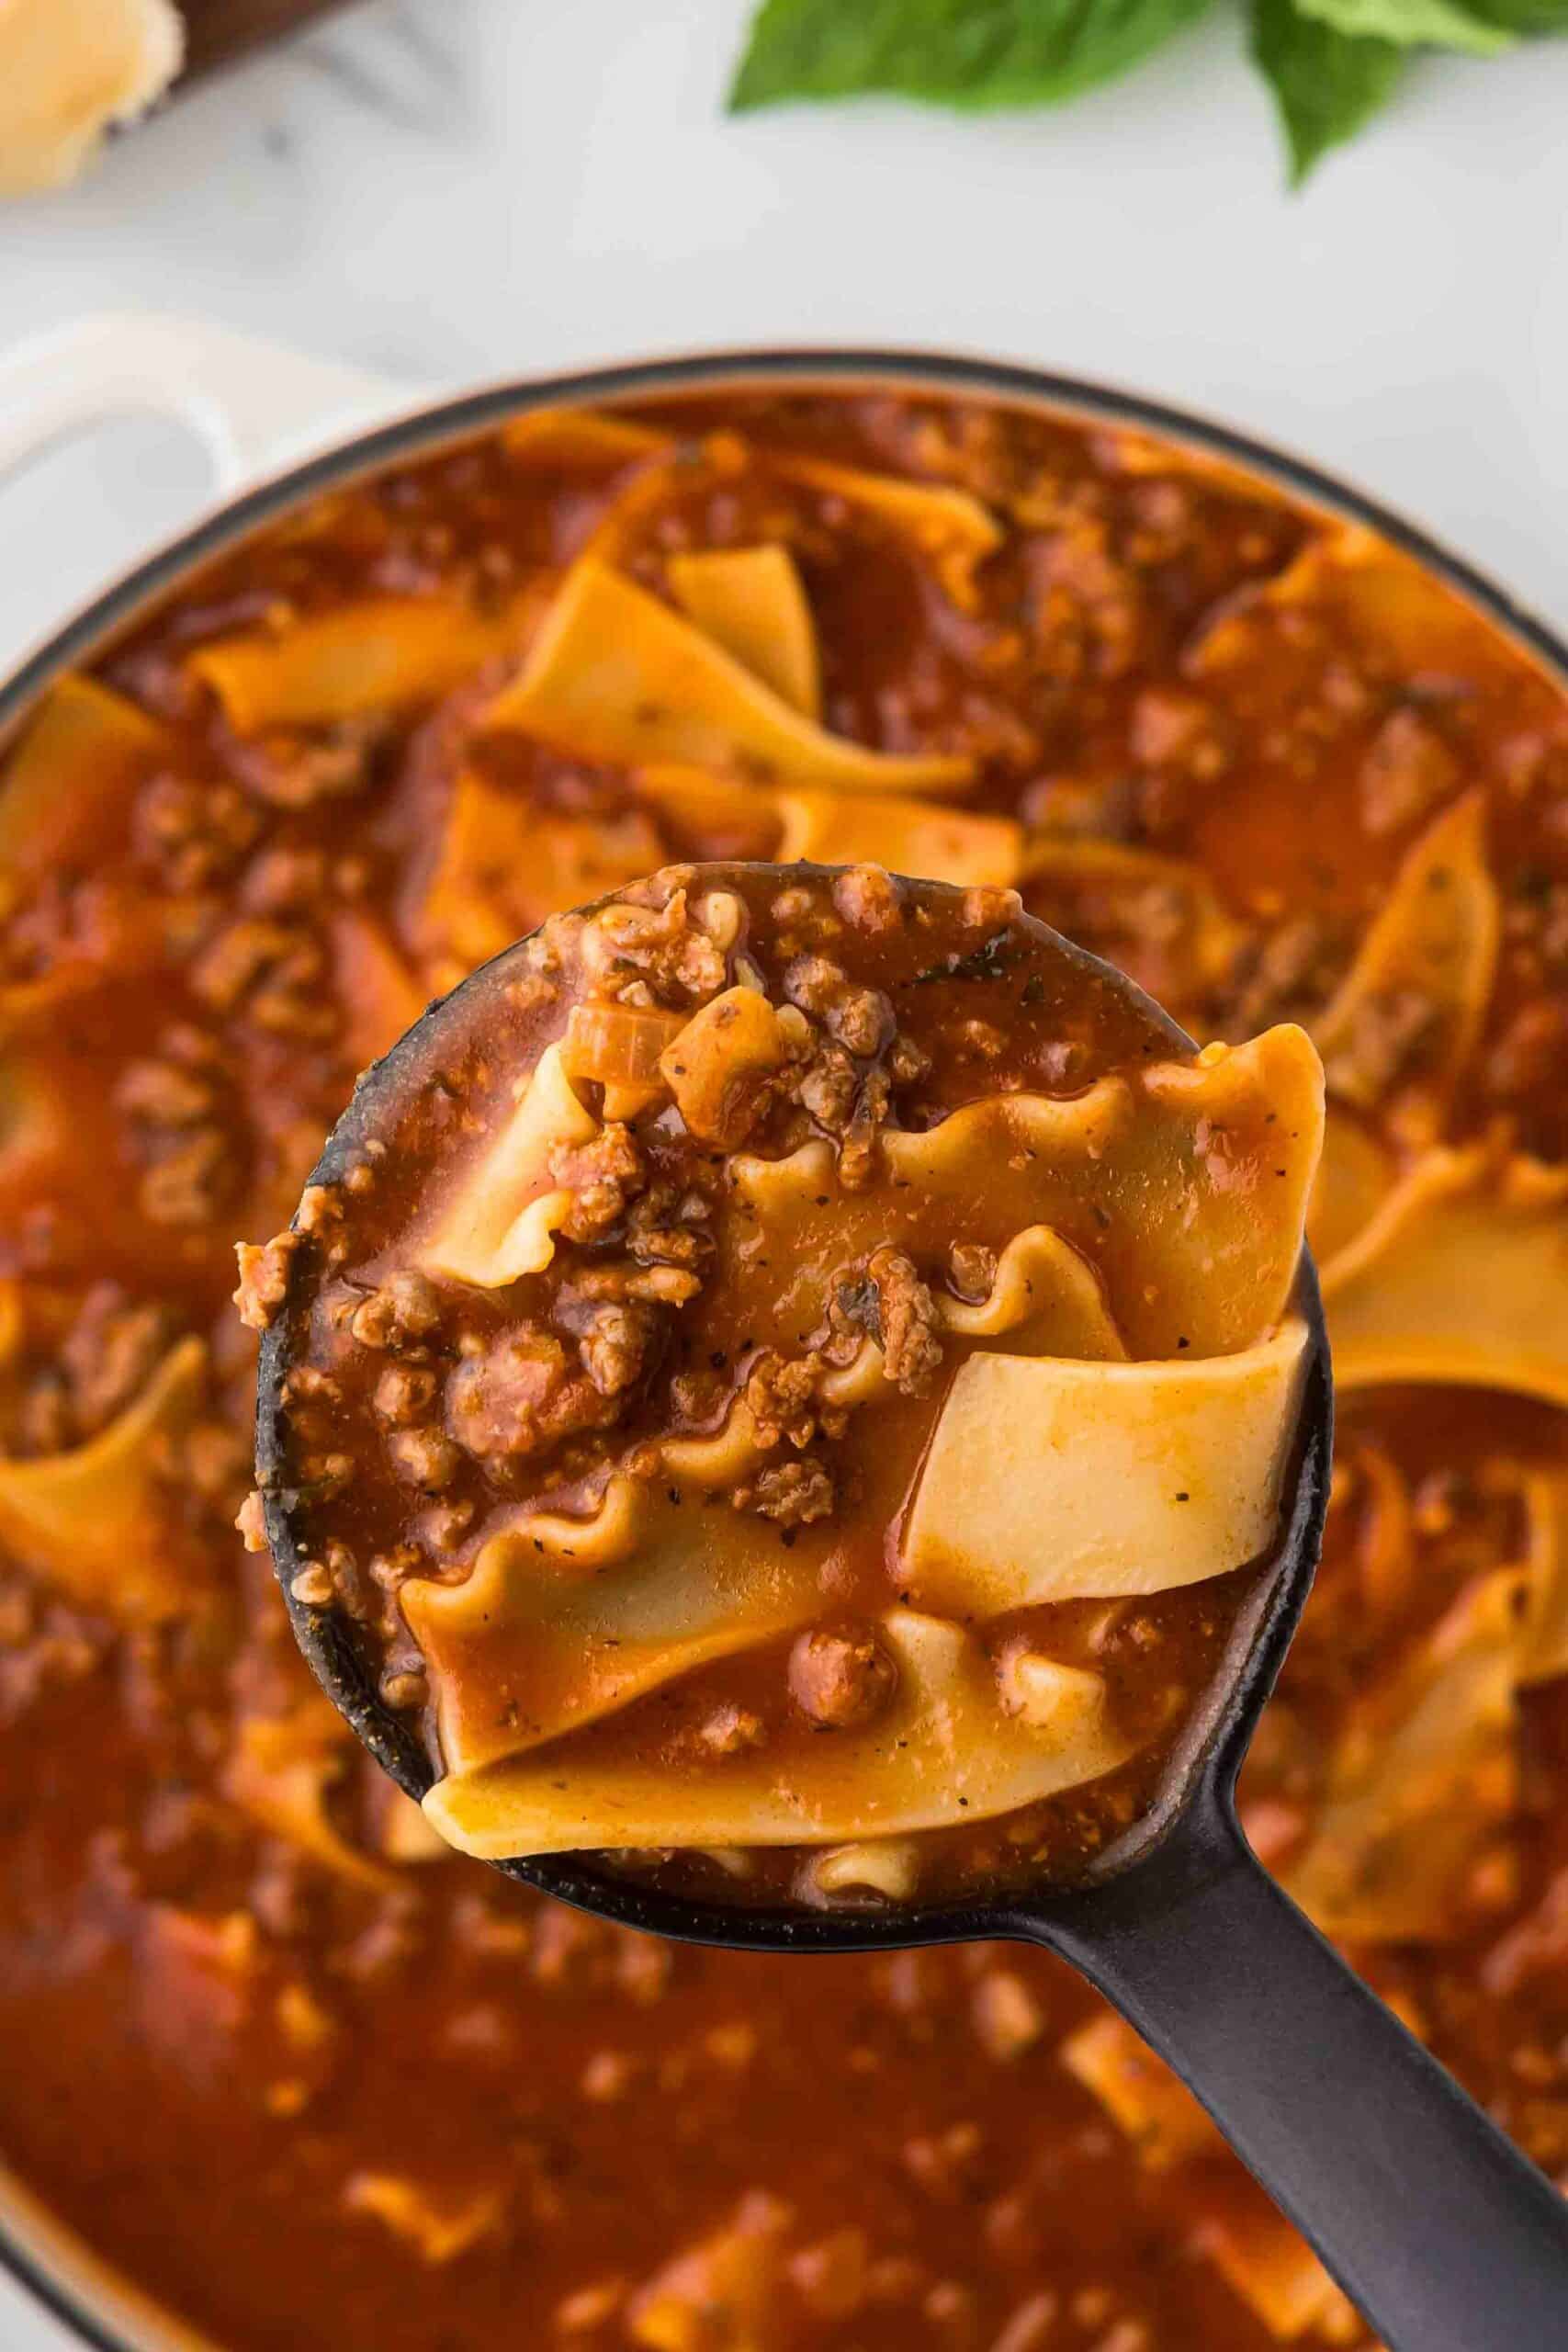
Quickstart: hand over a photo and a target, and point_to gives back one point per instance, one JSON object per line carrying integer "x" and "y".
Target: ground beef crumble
{"x": 519, "y": 1396}
{"x": 791, "y": 1493}
{"x": 264, "y": 1278}
{"x": 603, "y": 1176}
{"x": 910, "y": 1321}
{"x": 840, "y": 1679}
{"x": 781, "y": 1397}
{"x": 617, "y": 1341}
{"x": 405, "y": 1308}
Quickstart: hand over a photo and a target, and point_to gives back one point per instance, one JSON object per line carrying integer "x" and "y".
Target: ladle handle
{"x": 1436, "y": 2228}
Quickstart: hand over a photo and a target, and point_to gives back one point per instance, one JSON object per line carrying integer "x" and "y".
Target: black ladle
{"x": 1436, "y": 2228}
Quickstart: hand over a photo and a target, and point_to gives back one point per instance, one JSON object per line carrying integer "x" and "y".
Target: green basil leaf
{"x": 969, "y": 54}
{"x": 1413, "y": 24}
{"x": 1525, "y": 16}
{"x": 1325, "y": 84}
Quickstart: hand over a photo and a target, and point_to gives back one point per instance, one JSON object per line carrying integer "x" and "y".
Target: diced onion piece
{"x": 1053, "y": 1480}
{"x": 616, "y": 1045}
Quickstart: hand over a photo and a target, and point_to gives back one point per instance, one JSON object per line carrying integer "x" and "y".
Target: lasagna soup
{"x": 285, "y": 2062}
{"x": 796, "y": 1358}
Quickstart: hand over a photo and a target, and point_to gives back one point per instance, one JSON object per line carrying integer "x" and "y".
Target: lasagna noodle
{"x": 355, "y": 659}
{"x": 1423, "y": 1778}
{"x": 728, "y": 818}
{"x": 502, "y": 865}
{"x": 572, "y": 439}
{"x": 281, "y": 1771}
{"x": 1050, "y": 1480}
{"x": 1386, "y": 600}
{"x": 1205, "y": 1169}
{"x": 1433, "y": 948}
{"x": 1045, "y": 1297}
{"x": 906, "y": 836}
{"x": 502, "y": 1222}
{"x": 750, "y": 602}
{"x": 1158, "y": 919}
{"x": 1272, "y": 2267}
{"x": 943, "y": 1752}
{"x": 903, "y": 832}
{"x": 379, "y": 995}
{"x": 72, "y": 777}
{"x": 1163, "y": 1164}
{"x": 1544, "y": 1636}
{"x": 1214, "y": 1256}
{"x": 558, "y": 1627}
{"x": 571, "y": 1617}
{"x": 1355, "y": 1177}
{"x": 101, "y": 1522}
{"x": 616, "y": 675}
{"x": 1142, "y": 2098}
{"x": 1395, "y": 1312}
{"x": 948, "y": 528}
{"x": 435, "y": 2224}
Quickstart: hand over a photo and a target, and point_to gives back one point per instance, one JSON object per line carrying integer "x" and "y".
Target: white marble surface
{"x": 447, "y": 189}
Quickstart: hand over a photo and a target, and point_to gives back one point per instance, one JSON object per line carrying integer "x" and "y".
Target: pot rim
{"x": 419, "y": 429}
{"x": 46, "y": 2256}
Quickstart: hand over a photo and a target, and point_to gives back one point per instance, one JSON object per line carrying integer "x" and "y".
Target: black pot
{"x": 102, "y": 2310}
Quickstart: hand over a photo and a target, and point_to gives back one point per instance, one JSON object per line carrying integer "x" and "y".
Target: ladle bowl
{"x": 1443, "y": 2235}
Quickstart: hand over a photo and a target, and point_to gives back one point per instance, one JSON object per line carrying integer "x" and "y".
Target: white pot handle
{"x": 252, "y": 404}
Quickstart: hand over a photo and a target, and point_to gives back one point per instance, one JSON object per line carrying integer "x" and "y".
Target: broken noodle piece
{"x": 751, "y": 600}
{"x": 615, "y": 674}
{"x": 750, "y": 1363}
